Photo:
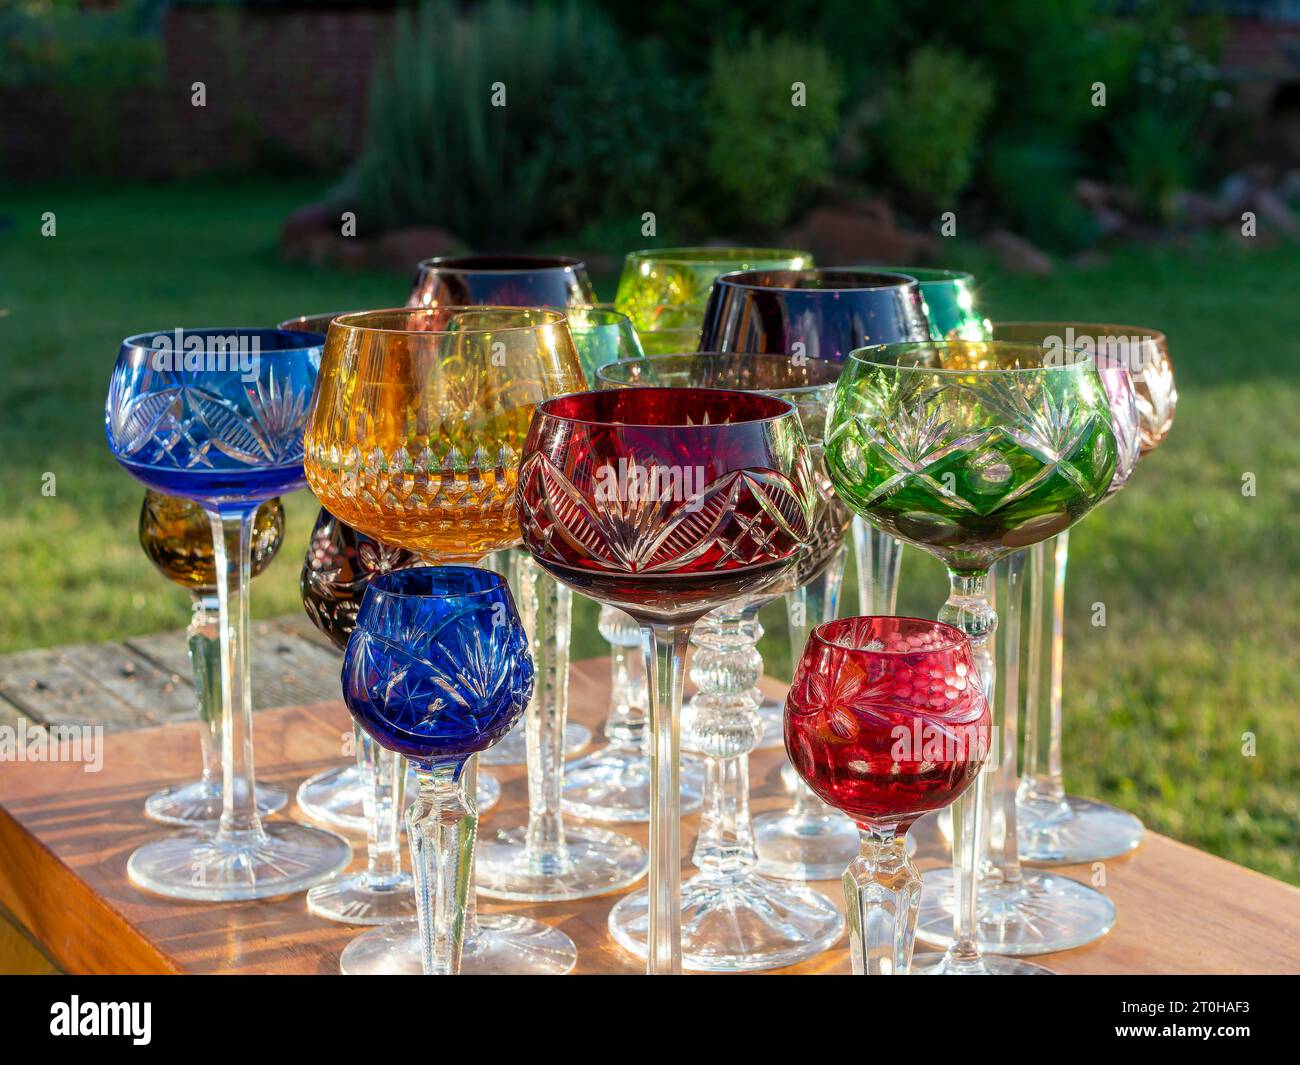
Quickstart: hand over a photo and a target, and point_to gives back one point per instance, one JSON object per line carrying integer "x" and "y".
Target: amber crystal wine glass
{"x": 508, "y": 280}
{"x": 734, "y": 918}
{"x": 666, "y": 503}
{"x": 177, "y": 536}
{"x": 1053, "y": 827}
{"x": 414, "y": 439}
{"x": 971, "y": 451}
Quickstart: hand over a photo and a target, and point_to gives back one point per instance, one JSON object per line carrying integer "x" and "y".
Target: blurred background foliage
{"x": 615, "y": 106}
{"x": 57, "y": 43}
{"x": 619, "y": 105}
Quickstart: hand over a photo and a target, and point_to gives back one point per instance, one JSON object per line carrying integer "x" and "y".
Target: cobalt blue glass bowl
{"x": 437, "y": 667}
{"x": 828, "y": 312}
{"x": 214, "y": 415}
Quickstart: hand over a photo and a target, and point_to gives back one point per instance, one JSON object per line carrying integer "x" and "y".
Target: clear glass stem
{"x": 204, "y": 643}
{"x": 665, "y": 654}
{"x": 232, "y": 535}
{"x": 625, "y": 723}
{"x": 1042, "y": 781}
{"x": 386, "y": 774}
{"x": 816, "y": 602}
{"x": 879, "y": 556}
{"x": 968, "y": 609}
{"x": 806, "y": 805}
{"x": 546, "y": 607}
{"x": 726, "y": 669}
{"x": 1004, "y": 853}
{"x": 441, "y": 826}
{"x": 469, "y": 785}
{"x": 882, "y": 897}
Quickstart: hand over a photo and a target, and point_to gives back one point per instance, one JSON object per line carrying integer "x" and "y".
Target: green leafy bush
{"x": 1169, "y": 119}
{"x": 930, "y": 126}
{"x": 585, "y": 126}
{"x": 767, "y": 148}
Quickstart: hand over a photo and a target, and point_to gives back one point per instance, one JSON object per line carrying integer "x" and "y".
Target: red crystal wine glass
{"x": 666, "y": 503}
{"x": 886, "y": 720}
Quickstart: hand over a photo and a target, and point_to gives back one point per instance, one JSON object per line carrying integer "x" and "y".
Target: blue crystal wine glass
{"x": 217, "y": 416}
{"x": 436, "y": 670}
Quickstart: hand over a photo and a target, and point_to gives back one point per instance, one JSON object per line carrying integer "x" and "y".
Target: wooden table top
{"x": 65, "y": 836}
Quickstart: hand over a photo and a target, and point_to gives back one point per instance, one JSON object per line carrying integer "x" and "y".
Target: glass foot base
{"x": 988, "y": 965}
{"x": 199, "y": 803}
{"x": 504, "y": 945}
{"x": 513, "y": 749}
{"x": 820, "y": 847}
{"x": 282, "y": 859}
{"x": 1074, "y": 831}
{"x": 1040, "y": 914}
{"x": 591, "y": 862}
{"x": 805, "y": 848}
{"x": 336, "y": 798}
{"x": 613, "y": 784}
{"x": 353, "y": 899}
{"x": 736, "y": 924}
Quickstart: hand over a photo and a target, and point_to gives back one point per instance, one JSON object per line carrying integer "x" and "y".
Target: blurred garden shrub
{"x": 684, "y": 108}
{"x": 930, "y": 126}
{"x": 1168, "y": 121}
{"x": 771, "y": 113}
{"x": 587, "y": 123}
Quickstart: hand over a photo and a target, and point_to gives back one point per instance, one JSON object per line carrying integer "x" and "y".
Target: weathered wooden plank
{"x": 289, "y": 670}
{"x": 48, "y": 688}
{"x": 167, "y": 650}
{"x": 10, "y": 715}
{"x": 147, "y": 680}
{"x": 160, "y": 695}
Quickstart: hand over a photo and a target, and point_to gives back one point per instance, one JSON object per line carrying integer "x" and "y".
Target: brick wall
{"x": 281, "y": 85}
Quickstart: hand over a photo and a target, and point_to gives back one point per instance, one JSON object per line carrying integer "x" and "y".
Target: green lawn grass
{"x": 1201, "y": 583}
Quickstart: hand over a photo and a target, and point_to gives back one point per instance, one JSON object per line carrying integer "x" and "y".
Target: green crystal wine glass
{"x": 970, "y": 450}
